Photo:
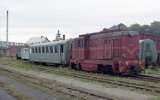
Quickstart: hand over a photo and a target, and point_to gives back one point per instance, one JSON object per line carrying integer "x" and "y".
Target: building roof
{"x": 36, "y": 40}
{"x": 4, "y": 44}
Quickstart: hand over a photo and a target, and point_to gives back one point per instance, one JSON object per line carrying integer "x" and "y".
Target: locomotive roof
{"x": 110, "y": 34}
{"x": 50, "y": 43}
{"x": 101, "y": 32}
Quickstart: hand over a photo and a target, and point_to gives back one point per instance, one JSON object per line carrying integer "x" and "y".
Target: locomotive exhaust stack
{"x": 63, "y": 37}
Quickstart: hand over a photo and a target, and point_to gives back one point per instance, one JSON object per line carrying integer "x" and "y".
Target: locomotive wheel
{"x": 78, "y": 67}
{"x": 110, "y": 70}
{"x": 107, "y": 70}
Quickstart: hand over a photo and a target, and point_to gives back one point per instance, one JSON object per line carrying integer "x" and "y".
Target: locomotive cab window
{"x": 81, "y": 43}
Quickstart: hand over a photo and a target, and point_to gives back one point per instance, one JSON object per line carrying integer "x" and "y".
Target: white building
{"x": 36, "y": 40}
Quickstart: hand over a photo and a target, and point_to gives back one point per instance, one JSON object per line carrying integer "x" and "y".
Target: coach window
{"x": 61, "y": 48}
{"x": 39, "y": 49}
{"x": 51, "y": 49}
{"x": 42, "y": 49}
{"x": 35, "y": 49}
{"x": 56, "y": 49}
{"x": 47, "y": 49}
{"x": 32, "y": 49}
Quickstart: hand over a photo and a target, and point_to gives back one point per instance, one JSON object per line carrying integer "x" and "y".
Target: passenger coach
{"x": 57, "y": 52}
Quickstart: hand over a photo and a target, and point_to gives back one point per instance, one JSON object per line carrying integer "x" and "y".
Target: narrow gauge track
{"x": 147, "y": 78}
{"x": 140, "y": 77}
{"x": 59, "y": 87}
{"x": 133, "y": 85}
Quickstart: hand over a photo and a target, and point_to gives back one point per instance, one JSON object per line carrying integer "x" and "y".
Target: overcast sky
{"x": 33, "y": 18}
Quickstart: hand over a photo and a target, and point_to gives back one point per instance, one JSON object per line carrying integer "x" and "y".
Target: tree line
{"x": 153, "y": 28}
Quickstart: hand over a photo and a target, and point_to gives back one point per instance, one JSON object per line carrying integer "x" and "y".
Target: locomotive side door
{"x": 116, "y": 48}
{"x": 83, "y": 49}
{"x": 108, "y": 50}
{"x": 86, "y": 47}
{"x": 80, "y": 50}
{"x": 100, "y": 49}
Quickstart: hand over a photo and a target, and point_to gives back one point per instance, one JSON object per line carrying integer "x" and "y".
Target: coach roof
{"x": 50, "y": 43}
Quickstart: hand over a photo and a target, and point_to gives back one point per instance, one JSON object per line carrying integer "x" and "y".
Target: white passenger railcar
{"x": 57, "y": 52}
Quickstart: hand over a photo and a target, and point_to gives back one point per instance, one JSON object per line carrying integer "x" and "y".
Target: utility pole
{"x": 7, "y": 28}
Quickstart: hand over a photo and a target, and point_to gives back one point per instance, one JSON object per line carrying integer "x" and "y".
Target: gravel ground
{"x": 4, "y": 95}
{"x": 27, "y": 91}
{"x": 112, "y": 92}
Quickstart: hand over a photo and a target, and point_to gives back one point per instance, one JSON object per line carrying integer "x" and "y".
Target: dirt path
{"x": 122, "y": 94}
{"x": 4, "y": 95}
{"x": 23, "y": 89}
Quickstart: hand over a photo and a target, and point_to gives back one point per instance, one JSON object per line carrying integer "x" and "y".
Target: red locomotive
{"x": 109, "y": 51}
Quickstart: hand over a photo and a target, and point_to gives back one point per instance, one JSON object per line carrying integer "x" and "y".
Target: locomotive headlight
{"x": 127, "y": 63}
{"x": 139, "y": 62}
{"x": 124, "y": 55}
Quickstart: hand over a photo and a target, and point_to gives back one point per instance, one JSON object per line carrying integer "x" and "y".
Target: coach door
{"x": 61, "y": 54}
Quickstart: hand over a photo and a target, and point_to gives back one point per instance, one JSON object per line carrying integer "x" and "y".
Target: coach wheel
{"x": 44, "y": 64}
{"x": 72, "y": 65}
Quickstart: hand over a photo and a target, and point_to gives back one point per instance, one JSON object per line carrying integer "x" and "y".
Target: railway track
{"x": 140, "y": 77}
{"x": 133, "y": 85}
{"x": 77, "y": 92}
{"x": 147, "y": 78}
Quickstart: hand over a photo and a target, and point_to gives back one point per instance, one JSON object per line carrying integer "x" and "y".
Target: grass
{"x": 25, "y": 65}
{"x": 15, "y": 63}
{"x": 153, "y": 70}
{"x": 41, "y": 88}
{"x": 14, "y": 93}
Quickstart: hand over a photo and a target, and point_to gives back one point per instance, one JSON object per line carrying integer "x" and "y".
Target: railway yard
{"x": 25, "y": 81}
{"x": 79, "y": 50}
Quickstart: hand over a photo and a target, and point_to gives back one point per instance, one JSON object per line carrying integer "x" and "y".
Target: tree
{"x": 122, "y": 26}
{"x": 146, "y": 29}
{"x": 155, "y": 27}
{"x": 135, "y": 27}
